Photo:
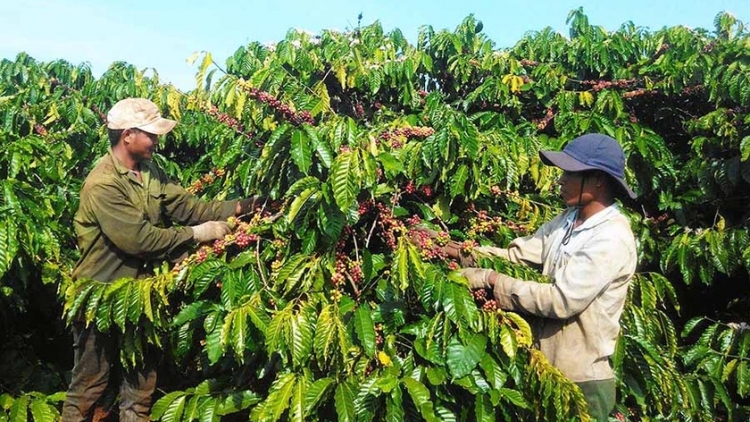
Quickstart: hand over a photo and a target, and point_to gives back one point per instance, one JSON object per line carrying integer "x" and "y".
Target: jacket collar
{"x": 121, "y": 169}
{"x": 598, "y": 218}
{"x": 145, "y": 169}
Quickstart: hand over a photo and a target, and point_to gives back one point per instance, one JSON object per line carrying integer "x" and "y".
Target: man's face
{"x": 575, "y": 187}
{"x": 141, "y": 144}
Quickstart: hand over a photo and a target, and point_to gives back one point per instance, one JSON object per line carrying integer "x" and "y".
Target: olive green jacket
{"x": 580, "y": 310}
{"x": 124, "y": 226}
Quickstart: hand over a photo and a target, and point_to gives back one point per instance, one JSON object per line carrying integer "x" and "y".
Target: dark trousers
{"x": 97, "y": 370}
{"x": 600, "y": 396}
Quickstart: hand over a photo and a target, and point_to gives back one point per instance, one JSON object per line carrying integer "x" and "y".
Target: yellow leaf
{"x": 384, "y": 359}
{"x": 173, "y": 101}
{"x": 269, "y": 124}
{"x": 436, "y": 209}
{"x": 515, "y": 82}
{"x": 193, "y": 57}
{"x": 324, "y": 102}
{"x": 523, "y": 333}
{"x": 52, "y": 115}
{"x": 341, "y": 75}
{"x": 585, "y": 98}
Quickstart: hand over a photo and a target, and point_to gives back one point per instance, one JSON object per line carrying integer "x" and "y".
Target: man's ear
{"x": 127, "y": 135}
{"x": 602, "y": 179}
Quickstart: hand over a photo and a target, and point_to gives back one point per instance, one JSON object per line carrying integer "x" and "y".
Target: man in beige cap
{"x": 130, "y": 217}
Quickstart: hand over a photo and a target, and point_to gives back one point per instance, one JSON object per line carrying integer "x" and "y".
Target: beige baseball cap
{"x": 138, "y": 113}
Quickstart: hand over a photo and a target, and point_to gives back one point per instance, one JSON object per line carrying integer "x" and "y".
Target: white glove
{"x": 210, "y": 230}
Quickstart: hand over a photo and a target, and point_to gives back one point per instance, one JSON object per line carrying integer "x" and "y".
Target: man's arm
{"x": 524, "y": 250}
{"x": 126, "y": 226}
{"x": 585, "y": 275}
{"x": 185, "y": 208}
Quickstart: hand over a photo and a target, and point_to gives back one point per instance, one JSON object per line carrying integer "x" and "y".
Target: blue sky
{"x": 162, "y": 34}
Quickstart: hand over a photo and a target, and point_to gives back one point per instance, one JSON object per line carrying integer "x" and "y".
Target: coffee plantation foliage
{"x": 319, "y": 308}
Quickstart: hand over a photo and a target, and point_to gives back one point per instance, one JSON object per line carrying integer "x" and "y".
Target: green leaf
{"x": 308, "y": 195}
{"x": 19, "y": 409}
{"x": 192, "y": 312}
{"x": 458, "y": 181}
{"x": 344, "y": 402}
{"x": 302, "y": 184}
{"x": 279, "y": 396}
{"x": 421, "y": 397}
{"x": 301, "y": 151}
{"x": 745, "y": 148}
{"x": 401, "y": 262}
{"x": 515, "y": 397}
{"x": 175, "y": 409}
{"x": 329, "y": 333}
{"x": 463, "y": 358}
{"x": 365, "y": 328}
{"x": 394, "y": 407}
{"x": 236, "y": 401}
{"x": 41, "y": 411}
{"x": 316, "y": 392}
{"x": 297, "y": 406}
{"x": 301, "y": 328}
{"x": 459, "y": 305}
{"x": 214, "y": 331}
{"x": 508, "y": 341}
{"x": 8, "y": 244}
{"x": 344, "y": 179}
{"x": 390, "y": 163}
{"x": 205, "y": 274}
{"x": 321, "y": 147}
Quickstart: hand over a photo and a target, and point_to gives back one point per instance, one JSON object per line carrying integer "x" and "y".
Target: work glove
{"x": 210, "y": 230}
{"x": 251, "y": 204}
{"x": 479, "y": 278}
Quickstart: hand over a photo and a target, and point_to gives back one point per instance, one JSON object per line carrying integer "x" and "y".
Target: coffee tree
{"x": 318, "y": 307}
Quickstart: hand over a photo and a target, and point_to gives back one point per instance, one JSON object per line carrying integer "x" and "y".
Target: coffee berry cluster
{"x": 397, "y": 137}
{"x": 285, "y": 110}
{"x": 205, "y": 180}
{"x": 242, "y": 236}
{"x": 482, "y": 299}
{"x": 599, "y": 85}
{"x": 390, "y": 226}
{"x": 227, "y": 120}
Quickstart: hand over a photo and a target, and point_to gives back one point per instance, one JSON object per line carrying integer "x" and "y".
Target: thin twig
{"x": 372, "y": 231}
{"x": 356, "y": 248}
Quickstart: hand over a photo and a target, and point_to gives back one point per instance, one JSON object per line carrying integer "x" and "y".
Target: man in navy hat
{"x": 589, "y": 253}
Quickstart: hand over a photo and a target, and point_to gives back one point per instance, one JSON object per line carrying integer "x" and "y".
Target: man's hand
{"x": 249, "y": 205}
{"x": 210, "y": 230}
{"x": 479, "y": 278}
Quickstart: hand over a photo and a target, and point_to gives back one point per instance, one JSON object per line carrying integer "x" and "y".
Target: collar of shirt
{"x": 124, "y": 171}
{"x": 559, "y": 248}
{"x": 595, "y": 219}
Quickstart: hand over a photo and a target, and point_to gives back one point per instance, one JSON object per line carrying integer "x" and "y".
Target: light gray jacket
{"x": 582, "y": 307}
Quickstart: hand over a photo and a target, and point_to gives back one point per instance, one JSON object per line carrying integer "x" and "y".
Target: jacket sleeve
{"x": 128, "y": 228}
{"x": 585, "y": 275}
{"x": 182, "y": 207}
{"x": 523, "y": 250}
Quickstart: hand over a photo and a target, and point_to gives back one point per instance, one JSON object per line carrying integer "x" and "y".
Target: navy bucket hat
{"x": 592, "y": 151}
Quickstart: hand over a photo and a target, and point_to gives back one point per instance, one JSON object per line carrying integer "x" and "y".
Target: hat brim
{"x": 160, "y": 126}
{"x": 566, "y": 162}
{"x": 563, "y": 160}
